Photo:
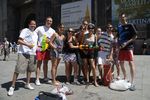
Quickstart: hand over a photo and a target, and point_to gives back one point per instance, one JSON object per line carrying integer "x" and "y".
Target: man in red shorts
{"x": 127, "y": 34}
{"x": 43, "y": 53}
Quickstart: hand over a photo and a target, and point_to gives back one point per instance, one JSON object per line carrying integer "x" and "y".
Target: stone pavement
{"x": 80, "y": 92}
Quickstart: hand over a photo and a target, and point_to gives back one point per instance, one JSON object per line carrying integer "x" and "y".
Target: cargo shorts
{"x": 25, "y": 62}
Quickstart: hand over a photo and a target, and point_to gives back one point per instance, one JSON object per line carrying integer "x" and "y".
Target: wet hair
{"x": 122, "y": 13}
{"x": 84, "y": 21}
{"x": 71, "y": 30}
{"x": 31, "y": 21}
{"x": 114, "y": 30}
{"x": 91, "y": 26}
{"x": 81, "y": 27}
{"x": 48, "y": 17}
{"x": 108, "y": 25}
{"x": 60, "y": 25}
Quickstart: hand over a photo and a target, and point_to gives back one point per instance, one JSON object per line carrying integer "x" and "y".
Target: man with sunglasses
{"x": 105, "y": 42}
{"x": 127, "y": 34}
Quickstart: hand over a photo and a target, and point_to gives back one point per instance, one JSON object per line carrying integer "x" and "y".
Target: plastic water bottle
{"x": 37, "y": 98}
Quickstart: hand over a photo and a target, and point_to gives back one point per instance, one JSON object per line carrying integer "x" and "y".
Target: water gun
{"x": 44, "y": 43}
{"x": 83, "y": 47}
{"x": 90, "y": 47}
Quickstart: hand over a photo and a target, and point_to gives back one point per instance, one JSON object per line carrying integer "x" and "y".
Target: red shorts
{"x": 125, "y": 55}
{"x": 43, "y": 55}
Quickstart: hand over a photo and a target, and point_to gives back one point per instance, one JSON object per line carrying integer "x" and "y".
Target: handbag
{"x": 48, "y": 96}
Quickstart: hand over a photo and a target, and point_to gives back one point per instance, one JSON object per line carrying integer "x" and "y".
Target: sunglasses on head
{"x": 70, "y": 31}
{"x": 109, "y": 27}
{"x": 62, "y": 27}
{"x": 91, "y": 28}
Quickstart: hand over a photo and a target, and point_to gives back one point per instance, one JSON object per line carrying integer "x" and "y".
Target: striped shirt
{"x": 106, "y": 41}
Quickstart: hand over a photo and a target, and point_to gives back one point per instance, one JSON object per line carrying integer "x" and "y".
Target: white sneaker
{"x": 28, "y": 86}
{"x": 67, "y": 83}
{"x": 37, "y": 82}
{"x": 11, "y": 91}
{"x": 49, "y": 81}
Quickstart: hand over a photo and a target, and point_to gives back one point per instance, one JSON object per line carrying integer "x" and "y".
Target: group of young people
{"x": 82, "y": 50}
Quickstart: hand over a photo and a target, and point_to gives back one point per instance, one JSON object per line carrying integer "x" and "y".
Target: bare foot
{"x": 56, "y": 83}
{"x": 95, "y": 84}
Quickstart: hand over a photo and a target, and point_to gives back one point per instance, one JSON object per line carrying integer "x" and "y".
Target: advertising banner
{"x": 138, "y": 11}
{"x": 72, "y": 14}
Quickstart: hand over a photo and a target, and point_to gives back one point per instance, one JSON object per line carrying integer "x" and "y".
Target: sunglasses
{"x": 91, "y": 28}
{"x": 71, "y": 31}
{"x": 62, "y": 27}
{"x": 109, "y": 27}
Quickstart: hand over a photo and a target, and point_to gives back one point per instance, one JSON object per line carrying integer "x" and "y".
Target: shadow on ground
{"x": 19, "y": 83}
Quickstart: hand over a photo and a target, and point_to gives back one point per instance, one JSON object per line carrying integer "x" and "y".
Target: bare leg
{"x": 28, "y": 77}
{"x": 92, "y": 63}
{"x": 123, "y": 69}
{"x": 14, "y": 79}
{"x": 74, "y": 64}
{"x": 67, "y": 70}
{"x": 100, "y": 67}
{"x": 83, "y": 70}
{"x": 54, "y": 70}
{"x": 5, "y": 53}
{"x": 38, "y": 69}
{"x": 132, "y": 71}
{"x": 58, "y": 61}
{"x": 85, "y": 66}
{"x": 45, "y": 68}
{"x": 118, "y": 70}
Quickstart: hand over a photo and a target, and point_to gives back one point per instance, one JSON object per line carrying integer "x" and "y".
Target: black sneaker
{"x": 132, "y": 88}
{"x": 45, "y": 80}
{"x": 76, "y": 82}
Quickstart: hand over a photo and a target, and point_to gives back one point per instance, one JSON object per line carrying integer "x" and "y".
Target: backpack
{"x": 48, "y": 96}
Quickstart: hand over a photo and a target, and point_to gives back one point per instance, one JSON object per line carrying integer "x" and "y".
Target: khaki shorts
{"x": 25, "y": 62}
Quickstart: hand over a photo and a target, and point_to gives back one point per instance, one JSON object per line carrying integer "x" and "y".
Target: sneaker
{"x": 11, "y": 91}
{"x": 83, "y": 82}
{"x": 49, "y": 81}
{"x": 118, "y": 78}
{"x": 76, "y": 82}
{"x": 67, "y": 83}
{"x": 46, "y": 79}
{"x": 28, "y": 86}
{"x": 37, "y": 82}
{"x": 99, "y": 77}
{"x": 132, "y": 88}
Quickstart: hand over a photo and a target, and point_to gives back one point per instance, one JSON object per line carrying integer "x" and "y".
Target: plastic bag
{"x": 120, "y": 85}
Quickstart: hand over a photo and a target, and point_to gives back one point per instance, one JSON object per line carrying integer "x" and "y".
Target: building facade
{"x": 3, "y": 18}
{"x": 17, "y": 13}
